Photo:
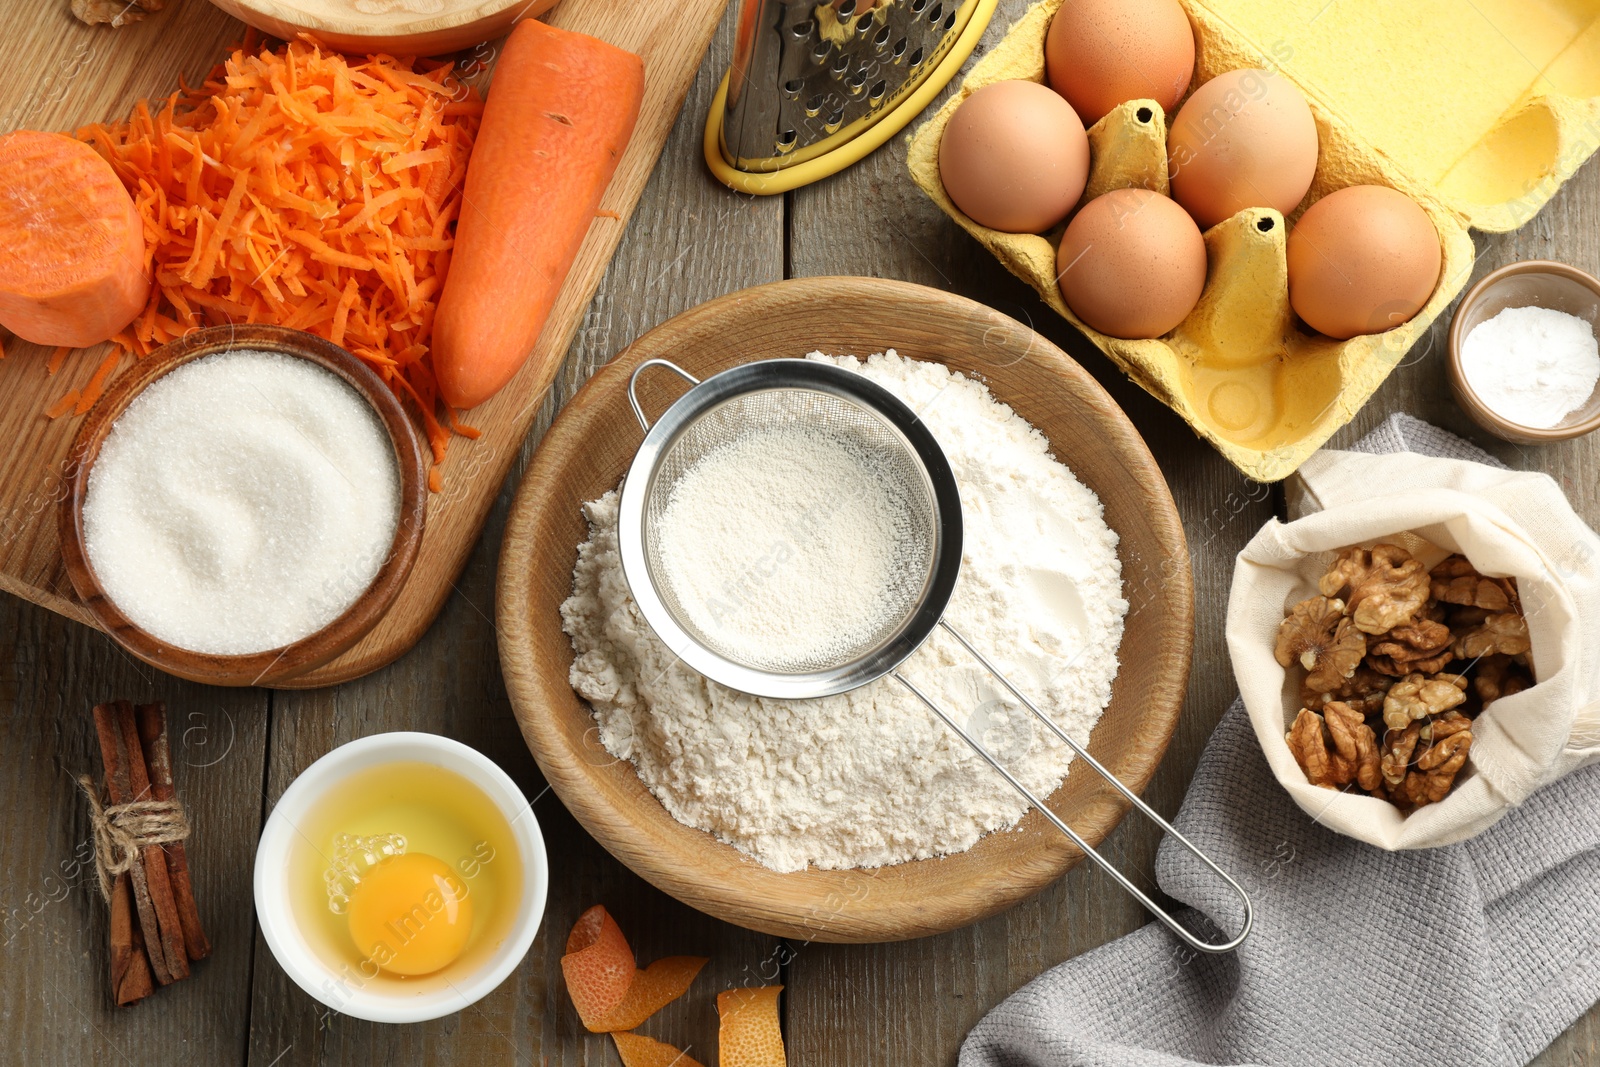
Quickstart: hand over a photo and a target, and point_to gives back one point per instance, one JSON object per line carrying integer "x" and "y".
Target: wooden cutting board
{"x": 63, "y": 74}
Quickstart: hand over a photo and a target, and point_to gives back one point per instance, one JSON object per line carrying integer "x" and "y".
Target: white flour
{"x": 871, "y": 777}
{"x": 789, "y": 548}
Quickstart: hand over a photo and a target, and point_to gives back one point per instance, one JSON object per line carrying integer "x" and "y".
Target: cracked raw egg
{"x": 410, "y": 914}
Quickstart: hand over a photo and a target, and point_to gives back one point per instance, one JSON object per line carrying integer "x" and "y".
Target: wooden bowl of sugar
{"x": 397, "y": 27}
{"x": 586, "y": 453}
{"x": 243, "y": 505}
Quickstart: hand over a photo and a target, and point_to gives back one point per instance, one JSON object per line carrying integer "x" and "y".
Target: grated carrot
{"x": 304, "y": 188}
{"x": 58, "y": 357}
{"x": 62, "y": 406}
{"x": 97, "y": 384}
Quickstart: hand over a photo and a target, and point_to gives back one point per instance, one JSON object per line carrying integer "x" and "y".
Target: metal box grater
{"x": 809, "y": 76}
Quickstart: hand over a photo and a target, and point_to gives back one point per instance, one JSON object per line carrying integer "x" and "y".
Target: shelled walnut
{"x": 1398, "y": 659}
{"x": 1382, "y": 587}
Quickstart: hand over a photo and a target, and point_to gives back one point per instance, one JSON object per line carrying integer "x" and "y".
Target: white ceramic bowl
{"x": 282, "y": 932}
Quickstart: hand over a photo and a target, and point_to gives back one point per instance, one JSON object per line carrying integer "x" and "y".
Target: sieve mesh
{"x": 893, "y": 464}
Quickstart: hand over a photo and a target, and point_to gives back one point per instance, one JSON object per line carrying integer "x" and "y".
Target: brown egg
{"x": 1362, "y": 260}
{"x": 1244, "y": 139}
{"x": 1101, "y": 53}
{"x": 1131, "y": 264}
{"x": 1014, "y": 157}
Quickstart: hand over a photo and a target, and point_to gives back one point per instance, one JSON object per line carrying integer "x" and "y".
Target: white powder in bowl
{"x": 871, "y": 777}
{"x": 241, "y": 502}
{"x": 1533, "y": 366}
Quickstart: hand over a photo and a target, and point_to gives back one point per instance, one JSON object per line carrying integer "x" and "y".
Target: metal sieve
{"x": 846, "y": 407}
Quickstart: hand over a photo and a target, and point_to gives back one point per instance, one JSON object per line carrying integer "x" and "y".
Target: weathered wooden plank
{"x": 687, "y": 242}
{"x": 55, "y": 985}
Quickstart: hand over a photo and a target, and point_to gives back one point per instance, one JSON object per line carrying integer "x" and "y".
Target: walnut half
{"x": 1419, "y": 647}
{"x": 1428, "y": 781}
{"x": 1415, "y": 697}
{"x": 1383, "y": 587}
{"x": 1505, "y": 634}
{"x": 1336, "y": 747}
{"x": 1318, "y": 637}
{"x": 1457, "y": 581}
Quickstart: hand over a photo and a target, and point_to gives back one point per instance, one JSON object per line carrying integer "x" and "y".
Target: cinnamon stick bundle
{"x": 155, "y": 926}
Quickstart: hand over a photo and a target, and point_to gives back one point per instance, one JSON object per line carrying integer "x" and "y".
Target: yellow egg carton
{"x": 1477, "y": 112}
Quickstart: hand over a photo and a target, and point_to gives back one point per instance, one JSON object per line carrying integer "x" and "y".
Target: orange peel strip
{"x": 749, "y": 1034}
{"x": 637, "y": 1050}
{"x": 652, "y": 989}
{"x": 598, "y": 966}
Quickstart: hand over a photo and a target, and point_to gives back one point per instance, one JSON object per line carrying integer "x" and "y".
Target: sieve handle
{"x": 1104, "y": 864}
{"x": 633, "y": 384}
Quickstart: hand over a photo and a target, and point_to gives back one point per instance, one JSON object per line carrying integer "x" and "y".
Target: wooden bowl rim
{"x": 313, "y": 650}
{"x": 614, "y": 827}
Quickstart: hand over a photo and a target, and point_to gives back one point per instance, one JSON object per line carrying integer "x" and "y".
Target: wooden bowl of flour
{"x": 587, "y": 451}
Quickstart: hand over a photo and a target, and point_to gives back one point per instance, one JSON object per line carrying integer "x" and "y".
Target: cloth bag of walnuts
{"x": 1508, "y": 524}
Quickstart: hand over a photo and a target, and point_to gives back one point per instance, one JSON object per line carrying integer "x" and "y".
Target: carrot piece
{"x": 68, "y": 401}
{"x": 57, "y": 358}
{"x": 73, "y": 269}
{"x": 560, "y": 112}
{"x": 748, "y": 1034}
{"x": 97, "y": 384}
{"x": 637, "y": 1050}
{"x": 598, "y": 964}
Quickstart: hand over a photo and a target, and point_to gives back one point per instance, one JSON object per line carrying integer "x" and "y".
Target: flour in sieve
{"x": 788, "y": 548}
{"x": 870, "y": 777}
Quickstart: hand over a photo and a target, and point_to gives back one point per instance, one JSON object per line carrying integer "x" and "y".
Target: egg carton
{"x": 1479, "y": 120}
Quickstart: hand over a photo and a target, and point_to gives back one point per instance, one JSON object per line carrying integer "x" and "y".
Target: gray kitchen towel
{"x": 1476, "y": 954}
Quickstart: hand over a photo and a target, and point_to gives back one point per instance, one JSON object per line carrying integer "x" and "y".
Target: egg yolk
{"x": 410, "y": 914}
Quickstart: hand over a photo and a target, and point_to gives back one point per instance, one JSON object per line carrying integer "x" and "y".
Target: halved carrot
{"x": 748, "y": 1034}
{"x": 560, "y": 111}
{"x": 73, "y": 267}
{"x": 637, "y": 1050}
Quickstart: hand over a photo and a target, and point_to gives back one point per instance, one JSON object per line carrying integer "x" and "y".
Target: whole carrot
{"x": 560, "y": 111}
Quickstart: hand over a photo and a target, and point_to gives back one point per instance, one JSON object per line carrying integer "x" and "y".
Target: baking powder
{"x": 1532, "y": 366}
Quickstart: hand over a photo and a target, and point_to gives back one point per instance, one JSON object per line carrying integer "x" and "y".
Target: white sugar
{"x": 241, "y": 502}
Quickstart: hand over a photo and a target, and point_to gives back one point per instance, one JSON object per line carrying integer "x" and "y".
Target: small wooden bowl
{"x": 400, "y": 32}
{"x": 586, "y": 453}
{"x": 279, "y": 664}
{"x": 1531, "y": 283}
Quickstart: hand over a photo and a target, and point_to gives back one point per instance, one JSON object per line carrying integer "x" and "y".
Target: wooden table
{"x": 236, "y": 750}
